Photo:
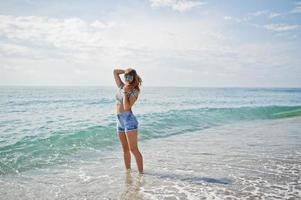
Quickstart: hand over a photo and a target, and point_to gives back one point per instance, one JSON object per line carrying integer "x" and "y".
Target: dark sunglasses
{"x": 128, "y": 77}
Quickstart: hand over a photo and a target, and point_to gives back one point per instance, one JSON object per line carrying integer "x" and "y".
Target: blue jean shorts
{"x": 126, "y": 121}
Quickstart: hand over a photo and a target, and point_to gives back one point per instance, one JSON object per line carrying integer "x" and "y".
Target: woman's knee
{"x": 134, "y": 150}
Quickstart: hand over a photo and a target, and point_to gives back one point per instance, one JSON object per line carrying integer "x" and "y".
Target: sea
{"x": 61, "y": 142}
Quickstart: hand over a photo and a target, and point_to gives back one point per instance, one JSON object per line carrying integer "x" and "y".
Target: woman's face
{"x": 128, "y": 78}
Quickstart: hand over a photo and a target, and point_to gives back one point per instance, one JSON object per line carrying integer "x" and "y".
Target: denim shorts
{"x": 126, "y": 121}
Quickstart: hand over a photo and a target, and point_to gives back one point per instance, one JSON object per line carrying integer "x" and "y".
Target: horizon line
{"x": 171, "y": 86}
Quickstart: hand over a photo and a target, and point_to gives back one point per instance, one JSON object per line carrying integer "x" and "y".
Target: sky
{"x": 181, "y": 43}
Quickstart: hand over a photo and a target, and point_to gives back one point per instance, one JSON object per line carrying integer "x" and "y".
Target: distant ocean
{"x": 45, "y": 128}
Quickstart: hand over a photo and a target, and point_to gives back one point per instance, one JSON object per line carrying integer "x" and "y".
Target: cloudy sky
{"x": 233, "y": 43}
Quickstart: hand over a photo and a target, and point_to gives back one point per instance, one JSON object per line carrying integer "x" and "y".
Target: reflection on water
{"x": 132, "y": 184}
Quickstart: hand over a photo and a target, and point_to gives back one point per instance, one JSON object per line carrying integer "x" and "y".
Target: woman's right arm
{"x": 116, "y": 73}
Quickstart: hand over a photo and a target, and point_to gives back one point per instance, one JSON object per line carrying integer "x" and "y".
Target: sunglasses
{"x": 128, "y": 77}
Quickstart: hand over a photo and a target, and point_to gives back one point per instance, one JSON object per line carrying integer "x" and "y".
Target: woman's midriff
{"x": 120, "y": 108}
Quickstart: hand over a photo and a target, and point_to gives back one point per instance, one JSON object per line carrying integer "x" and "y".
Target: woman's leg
{"x": 132, "y": 139}
{"x": 126, "y": 150}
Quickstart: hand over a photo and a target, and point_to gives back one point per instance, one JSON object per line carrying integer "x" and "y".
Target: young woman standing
{"x": 127, "y": 124}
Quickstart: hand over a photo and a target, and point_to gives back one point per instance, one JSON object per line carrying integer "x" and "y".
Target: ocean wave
{"x": 34, "y": 151}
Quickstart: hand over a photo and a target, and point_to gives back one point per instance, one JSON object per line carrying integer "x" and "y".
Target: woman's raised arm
{"x": 116, "y": 73}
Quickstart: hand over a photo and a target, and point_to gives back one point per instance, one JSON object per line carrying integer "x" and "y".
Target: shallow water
{"x": 245, "y": 160}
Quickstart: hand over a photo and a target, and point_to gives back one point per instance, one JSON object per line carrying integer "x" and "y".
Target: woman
{"x": 127, "y": 124}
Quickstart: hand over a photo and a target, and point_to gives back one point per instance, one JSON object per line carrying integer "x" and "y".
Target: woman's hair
{"x": 137, "y": 81}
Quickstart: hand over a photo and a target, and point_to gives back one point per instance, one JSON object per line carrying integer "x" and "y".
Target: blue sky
{"x": 169, "y": 42}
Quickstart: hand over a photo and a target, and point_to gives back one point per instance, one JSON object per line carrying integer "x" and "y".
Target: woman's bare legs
{"x": 126, "y": 150}
{"x": 132, "y": 142}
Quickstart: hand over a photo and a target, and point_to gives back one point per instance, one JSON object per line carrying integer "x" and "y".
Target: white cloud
{"x": 55, "y": 47}
{"x": 10, "y": 67}
{"x": 178, "y": 5}
{"x": 13, "y": 49}
{"x": 273, "y": 14}
{"x": 82, "y": 48}
{"x": 237, "y": 19}
{"x": 265, "y": 13}
{"x": 227, "y": 17}
{"x": 69, "y": 33}
{"x": 297, "y": 8}
{"x": 81, "y": 72}
{"x": 281, "y": 27}
{"x": 250, "y": 16}
{"x": 259, "y": 13}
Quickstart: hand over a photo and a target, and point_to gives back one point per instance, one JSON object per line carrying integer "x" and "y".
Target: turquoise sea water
{"x": 49, "y": 126}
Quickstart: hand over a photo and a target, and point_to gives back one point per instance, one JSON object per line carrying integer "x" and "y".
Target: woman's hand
{"x": 127, "y": 88}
